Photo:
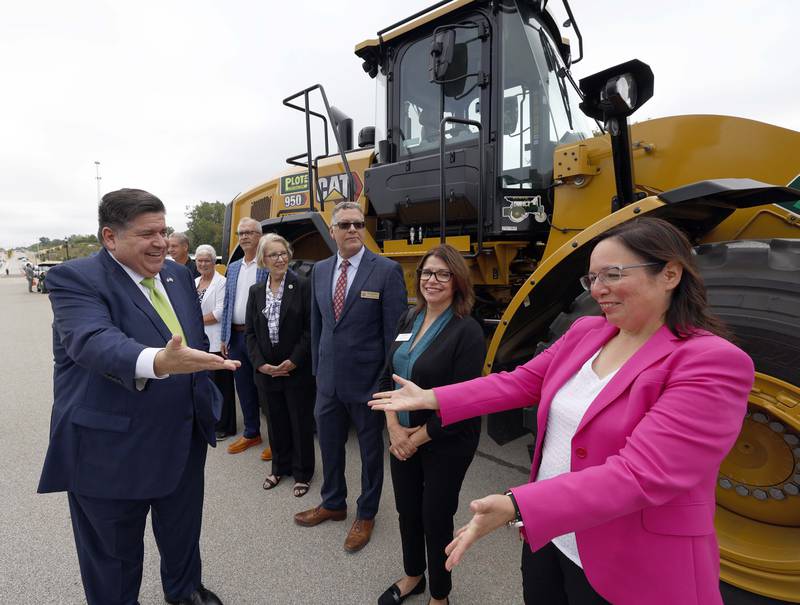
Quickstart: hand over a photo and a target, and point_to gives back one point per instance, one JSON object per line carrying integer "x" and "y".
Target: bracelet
{"x": 516, "y": 522}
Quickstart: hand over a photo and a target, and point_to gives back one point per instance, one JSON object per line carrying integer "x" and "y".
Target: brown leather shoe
{"x": 242, "y": 443}
{"x": 267, "y": 454}
{"x": 359, "y": 535}
{"x": 315, "y": 516}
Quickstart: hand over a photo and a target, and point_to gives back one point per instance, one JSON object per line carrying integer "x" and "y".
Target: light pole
{"x": 98, "y": 177}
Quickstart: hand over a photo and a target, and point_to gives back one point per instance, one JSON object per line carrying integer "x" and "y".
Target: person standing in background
{"x": 242, "y": 275}
{"x": 29, "y": 276}
{"x": 357, "y": 299}
{"x": 279, "y": 343}
{"x": 437, "y": 343}
{"x": 211, "y": 292}
{"x": 178, "y": 249}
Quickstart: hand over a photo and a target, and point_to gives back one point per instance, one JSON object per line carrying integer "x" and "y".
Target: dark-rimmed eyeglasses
{"x": 247, "y": 233}
{"x": 442, "y": 275}
{"x": 610, "y": 275}
{"x": 345, "y": 225}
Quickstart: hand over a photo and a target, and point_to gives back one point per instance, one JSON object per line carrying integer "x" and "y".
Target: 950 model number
{"x": 293, "y": 200}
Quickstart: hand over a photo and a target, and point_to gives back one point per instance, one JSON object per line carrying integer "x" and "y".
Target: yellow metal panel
{"x": 675, "y": 151}
{"x": 763, "y": 222}
{"x": 399, "y": 247}
{"x": 552, "y": 261}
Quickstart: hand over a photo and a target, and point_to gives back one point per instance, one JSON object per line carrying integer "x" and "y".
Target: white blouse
{"x": 566, "y": 412}
{"x": 213, "y": 302}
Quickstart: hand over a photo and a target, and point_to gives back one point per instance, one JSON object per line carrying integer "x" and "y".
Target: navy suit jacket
{"x": 108, "y": 439}
{"x": 348, "y": 355}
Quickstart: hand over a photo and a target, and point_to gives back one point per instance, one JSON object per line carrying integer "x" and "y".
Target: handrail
{"x": 310, "y": 164}
{"x": 443, "y": 181}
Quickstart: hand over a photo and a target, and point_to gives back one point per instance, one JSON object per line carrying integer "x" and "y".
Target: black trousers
{"x": 426, "y": 488}
{"x": 290, "y": 414}
{"x": 550, "y": 578}
{"x": 109, "y": 537}
{"x": 227, "y": 418}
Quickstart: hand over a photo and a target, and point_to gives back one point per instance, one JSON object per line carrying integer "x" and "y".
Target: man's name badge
{"x": 403, "y": 337}
{"x": 369, "y": 294}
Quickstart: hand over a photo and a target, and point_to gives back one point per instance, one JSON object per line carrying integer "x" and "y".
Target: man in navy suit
{"x": 134, "y": 407}
{"x": 242, "y": 274}
{"x": 357, "y": 299}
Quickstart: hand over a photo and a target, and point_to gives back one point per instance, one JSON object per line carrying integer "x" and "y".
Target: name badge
{"x": 369, "y": 294}
{"x": 403, "y": 337}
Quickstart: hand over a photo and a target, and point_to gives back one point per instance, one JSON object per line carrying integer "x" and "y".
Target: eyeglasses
{"x": 610, "y": 275}
{"x": 345, "y": 225}
{"x": 277, "y": 255}
{"x": 442, "y": 276}
{"x": 247, "y": 233}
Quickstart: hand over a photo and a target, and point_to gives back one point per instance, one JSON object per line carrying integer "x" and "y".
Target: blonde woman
{"x": 278, "y": 343}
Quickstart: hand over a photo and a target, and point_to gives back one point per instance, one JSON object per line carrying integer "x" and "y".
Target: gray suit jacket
{"x": 348, "y": 355}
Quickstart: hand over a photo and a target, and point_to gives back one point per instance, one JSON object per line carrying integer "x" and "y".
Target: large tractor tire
{"x": 754, "y": 286}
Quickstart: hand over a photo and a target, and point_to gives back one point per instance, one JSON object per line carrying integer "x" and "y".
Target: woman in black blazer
{"x": 279, "y": 346}
{"x": 437, "y": 342}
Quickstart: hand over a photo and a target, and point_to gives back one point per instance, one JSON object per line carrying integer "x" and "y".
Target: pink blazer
{"x": 645, "y": 458}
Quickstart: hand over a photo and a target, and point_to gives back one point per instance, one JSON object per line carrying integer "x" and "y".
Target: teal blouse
{"x": 405, "y": 356}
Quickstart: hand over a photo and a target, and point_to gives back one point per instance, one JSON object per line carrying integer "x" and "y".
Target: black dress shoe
{"x": 222, "y": 435}
{"x": 391, "y": 595}
{"x": 201, "y": 596}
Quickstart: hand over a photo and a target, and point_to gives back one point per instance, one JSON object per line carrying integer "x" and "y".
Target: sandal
{"x": 300, "y": 489}
{"x": 271, "y": 481}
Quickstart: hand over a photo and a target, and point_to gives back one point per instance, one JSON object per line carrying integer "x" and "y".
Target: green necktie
{"x": 162, "y": 307}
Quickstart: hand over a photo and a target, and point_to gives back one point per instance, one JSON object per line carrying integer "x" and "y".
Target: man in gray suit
{"x": 357, "y": 298}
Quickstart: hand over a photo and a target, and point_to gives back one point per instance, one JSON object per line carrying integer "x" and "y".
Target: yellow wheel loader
{"x": 483, "y": 139}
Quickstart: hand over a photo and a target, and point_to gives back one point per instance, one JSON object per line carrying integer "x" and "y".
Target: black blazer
{"x": 456, "y": 355}
{"x": 294, "y": 333}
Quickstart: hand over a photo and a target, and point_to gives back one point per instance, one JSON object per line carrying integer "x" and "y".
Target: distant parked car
{"x": 42, "y": 270}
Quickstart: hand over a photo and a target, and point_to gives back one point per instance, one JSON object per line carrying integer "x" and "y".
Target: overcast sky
{"x": 184, "y": 98}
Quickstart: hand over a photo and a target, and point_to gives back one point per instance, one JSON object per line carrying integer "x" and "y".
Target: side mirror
{"x": 617, "y": 92}
{"x": 510, "y": 114}
{"x": 444, "y": 41}
{"x": 610, "y": 97}
{"x": 455, "y": 78}
{"x": 366, "y": 137}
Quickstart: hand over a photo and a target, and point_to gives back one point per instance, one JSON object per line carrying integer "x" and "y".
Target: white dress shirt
{"x": 245, "y": 279}
{"x": 146, "y": 360}
{"x": 566, "y": 412}
{"x": 355, "y": 261}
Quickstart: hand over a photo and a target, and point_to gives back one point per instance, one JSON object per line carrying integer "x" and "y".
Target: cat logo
{"x": 334, "y": 188}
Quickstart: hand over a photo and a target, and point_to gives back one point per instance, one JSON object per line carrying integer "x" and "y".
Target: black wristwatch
{"x": 516, "y": 522}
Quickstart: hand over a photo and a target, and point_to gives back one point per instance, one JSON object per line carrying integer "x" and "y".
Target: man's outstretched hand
{"x": 176, "y": 358}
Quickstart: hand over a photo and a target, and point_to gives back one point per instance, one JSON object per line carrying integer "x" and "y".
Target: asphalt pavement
{"x": 253, "y": 553}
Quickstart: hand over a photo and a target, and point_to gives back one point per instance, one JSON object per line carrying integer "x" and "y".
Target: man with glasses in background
{"x": 357, "y": 298}
{"x": 242, "y": 274}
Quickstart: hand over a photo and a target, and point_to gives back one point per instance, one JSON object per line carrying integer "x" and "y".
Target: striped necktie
{"x": 163, "y": 308}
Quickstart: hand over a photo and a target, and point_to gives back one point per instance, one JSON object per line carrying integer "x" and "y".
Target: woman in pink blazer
{"x": 636, "y": 411}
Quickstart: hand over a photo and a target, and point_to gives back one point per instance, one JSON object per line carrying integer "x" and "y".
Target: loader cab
{"x": 497, "y": 64}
